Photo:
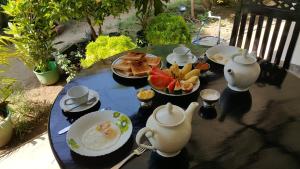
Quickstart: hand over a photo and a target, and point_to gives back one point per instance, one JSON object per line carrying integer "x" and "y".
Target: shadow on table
{"x": 71, "y": 116}
{"x": 137, "y": 83}
{"x": 105, "y": 161}
{"x": 181, "y": 161}
{"x": 234, "y": 104}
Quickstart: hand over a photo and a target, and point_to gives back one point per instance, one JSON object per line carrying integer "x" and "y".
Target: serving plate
{"x": 84, "y": 137}
{"x": 119, "y": 73}
{"x": 222, "y": 54}
{"x": 195, "y": 87}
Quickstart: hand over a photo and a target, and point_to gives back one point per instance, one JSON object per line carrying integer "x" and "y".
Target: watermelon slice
{"x": 159, "y": 82}
{"x": 158, "y": 71}
{"x": 171, "y": 86}
{"x": 177, "y": 88}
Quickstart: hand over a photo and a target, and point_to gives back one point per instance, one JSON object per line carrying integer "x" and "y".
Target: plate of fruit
{"x": 174, "y": 81}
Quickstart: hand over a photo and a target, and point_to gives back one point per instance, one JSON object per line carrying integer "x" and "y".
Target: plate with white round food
{"x": 222, "y": 54}
{"x": 99, "y": 133}
{"x": 135, "y": 65}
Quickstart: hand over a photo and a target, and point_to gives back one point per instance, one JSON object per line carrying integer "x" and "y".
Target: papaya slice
{"x": 187, "y": 87}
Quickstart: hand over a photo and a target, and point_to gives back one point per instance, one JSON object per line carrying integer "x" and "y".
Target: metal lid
{"x": 244, "y": 58}
{"x": 170, "y": 115}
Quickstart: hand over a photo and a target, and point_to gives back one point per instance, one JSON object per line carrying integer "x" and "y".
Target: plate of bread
{"x": 135, "y": 65}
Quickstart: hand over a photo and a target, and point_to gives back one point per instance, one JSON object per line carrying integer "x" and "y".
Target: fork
{"x": 138, "y": 151}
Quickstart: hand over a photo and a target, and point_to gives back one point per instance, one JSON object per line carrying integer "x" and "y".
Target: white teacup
{"x": 181, "y": 54}
{"x": 77, "y": 95}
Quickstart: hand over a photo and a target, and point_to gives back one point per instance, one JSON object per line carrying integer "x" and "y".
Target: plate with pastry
{"x": 221, "y": 54}
{"x": 135, "y": 65}
{"x": 99, "y": 133}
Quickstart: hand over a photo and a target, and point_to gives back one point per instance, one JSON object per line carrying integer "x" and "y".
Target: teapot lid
{"x": 170, "y": 115}
{"x": 244, "y": 58}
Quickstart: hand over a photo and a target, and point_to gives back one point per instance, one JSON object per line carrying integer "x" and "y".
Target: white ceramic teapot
{"x": 168, "y": 129}
{"x": 242, "y": 71}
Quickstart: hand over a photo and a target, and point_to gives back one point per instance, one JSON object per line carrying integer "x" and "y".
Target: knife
{"x": 62, "y": 131}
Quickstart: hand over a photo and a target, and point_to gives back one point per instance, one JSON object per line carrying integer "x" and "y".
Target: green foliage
{"x": 148, "y": 8}
{"x": 31, "y": 31}
{"x": 167, "y": 29}
{"x": 66, "y": 64}
{"x": 96, "y": 9}
{"x": 105, "y": 47}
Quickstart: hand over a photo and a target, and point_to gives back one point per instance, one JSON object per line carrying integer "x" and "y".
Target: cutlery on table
{"x": 138, "y": 151}
{"x": 64, "y": 130}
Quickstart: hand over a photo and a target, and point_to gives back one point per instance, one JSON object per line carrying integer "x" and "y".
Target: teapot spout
{"x": 189, "y": 112}
{"x": 231, "y": 76}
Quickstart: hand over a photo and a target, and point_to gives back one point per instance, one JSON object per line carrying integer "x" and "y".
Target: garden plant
{"x": 105, "y": 47}
{"x": 31, "y": 31}
{"x": 168, "y": 29}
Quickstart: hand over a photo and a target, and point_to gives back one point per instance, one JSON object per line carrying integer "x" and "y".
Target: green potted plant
{"x": 6, "y": 127}
{"x": 168, "y": 29}
{"x": 105, "y": 47}
{"x": 31, "y": 31}
{"x": 93, "y": 11}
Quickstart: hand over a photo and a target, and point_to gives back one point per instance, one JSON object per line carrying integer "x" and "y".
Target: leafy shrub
{"x": 167, "y": 29}
{"x": 105, "y": 47}
{"x": 70, "y": 68}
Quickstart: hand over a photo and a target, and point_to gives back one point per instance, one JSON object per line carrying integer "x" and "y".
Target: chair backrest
{"x": 258, "y": 16}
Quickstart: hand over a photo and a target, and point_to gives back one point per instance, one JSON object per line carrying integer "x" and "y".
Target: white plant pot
{"x": 6, "y": 130}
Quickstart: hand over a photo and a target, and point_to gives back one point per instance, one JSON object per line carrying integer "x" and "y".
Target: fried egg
{"x": 96, "y": 140}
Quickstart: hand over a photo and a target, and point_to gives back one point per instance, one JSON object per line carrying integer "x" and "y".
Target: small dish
{"x": 145, "y": 96}
{"x": 83, "y": 107}
{"x": 99, "y": 133}
{"x": 210, "y": 96}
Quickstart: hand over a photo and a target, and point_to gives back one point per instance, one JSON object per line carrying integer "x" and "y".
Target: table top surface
{"x": 256, "y": 129}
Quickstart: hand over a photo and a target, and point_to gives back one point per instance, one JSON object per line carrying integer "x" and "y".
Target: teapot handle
{"x": 144, "y": 131}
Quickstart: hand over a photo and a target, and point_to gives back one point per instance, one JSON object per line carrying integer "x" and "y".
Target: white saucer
{"x": 171, "y": 58}
{"x": 92, "y": 93}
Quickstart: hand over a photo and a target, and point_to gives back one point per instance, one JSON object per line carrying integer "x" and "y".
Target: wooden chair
{"x": 254, "y": 13}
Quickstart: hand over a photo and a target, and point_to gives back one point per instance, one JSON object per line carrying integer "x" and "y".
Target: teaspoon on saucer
{"x": 90, "y": 101}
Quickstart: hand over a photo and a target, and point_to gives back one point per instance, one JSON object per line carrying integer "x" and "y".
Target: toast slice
{"x": 153, "y": 61}
{"x": 134, "y": 56}
{"x": 123, "y": 66}
{"x": 140, "y": 68}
